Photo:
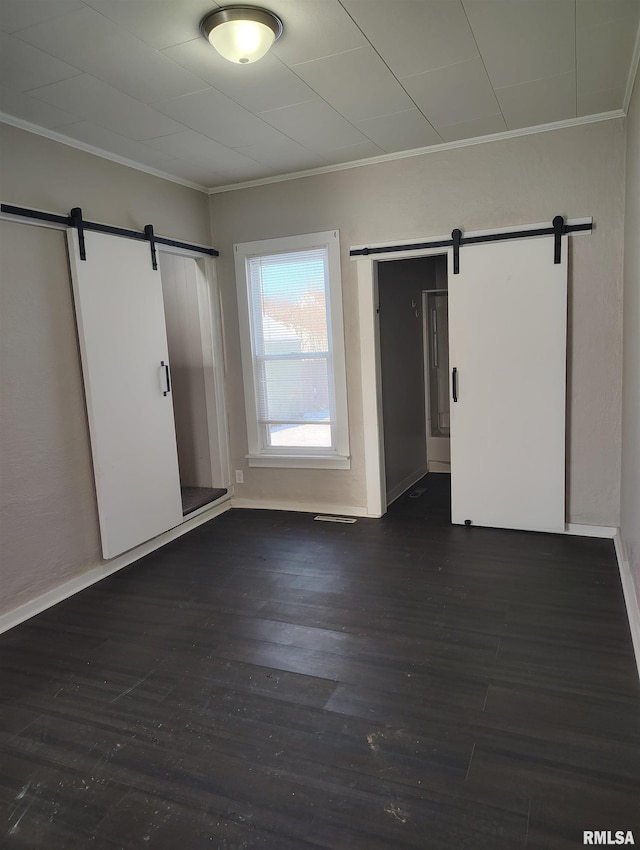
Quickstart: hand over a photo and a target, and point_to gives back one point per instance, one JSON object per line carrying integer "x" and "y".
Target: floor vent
{"x": 415, "y": 494}
{"x": 328, "y": 518}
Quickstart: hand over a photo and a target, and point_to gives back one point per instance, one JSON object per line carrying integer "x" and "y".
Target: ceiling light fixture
{"x": 241, "y": 34}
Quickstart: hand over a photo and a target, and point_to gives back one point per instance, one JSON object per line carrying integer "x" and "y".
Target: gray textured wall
{"x": 575, "y": 172}
{"x": 48, "y": 518}
{"x": 630, "y": 495}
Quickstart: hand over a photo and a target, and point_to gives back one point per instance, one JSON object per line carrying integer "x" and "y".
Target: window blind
{"x": 288, "y": 302}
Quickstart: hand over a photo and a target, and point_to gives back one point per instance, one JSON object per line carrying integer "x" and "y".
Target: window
{"x": 290, "y": 302}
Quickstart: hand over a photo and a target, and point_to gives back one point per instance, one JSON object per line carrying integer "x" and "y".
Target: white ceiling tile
{"x": 593, "y": 103}
{"x": 415, "y": 36}
{"x": 356, "y": 83}
{"x": 400, "y": 131}
{"x": 594, "y": 13}
{"x": 204, "y": 111}
{"x": 114, "y": 143}
{"x": 455, "y": 94}
{"x": 234, "y": 174}
{"x": 230, "y": 177}
{"x": 87, "y": 40}
{"x": 18, "y": 14}
{"x": 93, "y": 100}
{"x": 35, "y": 111}
{"x": 473, "y": 129}
{"x": 202, "y": 175}
{"x": 351, "y": 153}
{"x": 539, "y": 102}
{"x": 196, "y": 147}
{"x": 604, "y": 54}
{"x": 313, "y": 29}
{"x": 23, "y": 67}
{"x": 243, "y": 128}
{"x": 284, "y": 155}
{"x": 258, "y": 86}
{"x": 314, "y": 124}
{"x": 160, "y": 23}
{"x": 523, "y": 40}
{"x": 216, "y": 116}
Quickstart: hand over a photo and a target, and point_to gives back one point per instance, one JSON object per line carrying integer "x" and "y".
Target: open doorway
{"x": 198, "y": 403}
{"x": 414, "y": 370}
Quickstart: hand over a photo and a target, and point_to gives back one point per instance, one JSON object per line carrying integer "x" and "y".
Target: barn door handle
{"x": 454, "y": 383}
{"x": 167, "y": 381}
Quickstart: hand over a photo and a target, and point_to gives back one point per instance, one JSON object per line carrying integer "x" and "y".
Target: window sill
{"x": 300, "y": 461}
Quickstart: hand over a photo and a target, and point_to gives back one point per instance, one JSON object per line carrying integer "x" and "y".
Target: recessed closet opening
{"x": 191, "y": 345}
{"x": 155, "y": 459}
{"x": 503, "y": 288}
{"x": 414, "y": 369}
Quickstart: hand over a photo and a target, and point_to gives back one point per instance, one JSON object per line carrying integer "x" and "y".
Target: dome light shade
{"x": 241, "y": 34}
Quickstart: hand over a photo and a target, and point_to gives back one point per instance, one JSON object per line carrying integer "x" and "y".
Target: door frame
{"x": 374, "y": 460}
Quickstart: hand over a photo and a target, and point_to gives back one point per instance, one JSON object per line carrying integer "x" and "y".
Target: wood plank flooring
{"x": 269, "y": 681}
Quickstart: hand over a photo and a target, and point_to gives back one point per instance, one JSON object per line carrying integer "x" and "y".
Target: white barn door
{"x": 507, "y": 345}
{"x": 125, "y": 364}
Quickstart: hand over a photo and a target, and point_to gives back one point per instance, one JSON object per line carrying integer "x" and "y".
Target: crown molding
{"x": 55, "y": 136}
{"x": 633, "y": 70}
{"x": 446, "y": 146}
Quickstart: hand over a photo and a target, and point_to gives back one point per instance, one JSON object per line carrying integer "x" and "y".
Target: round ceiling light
{"x": 241, "y": 34}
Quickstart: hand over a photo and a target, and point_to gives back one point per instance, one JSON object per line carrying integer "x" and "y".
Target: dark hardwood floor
{"x": 269, "y": 681}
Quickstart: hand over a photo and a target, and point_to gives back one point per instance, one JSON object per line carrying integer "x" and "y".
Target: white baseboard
{"x": 628, "y": 586}
{"x": 579, "y": 530}
{"x": 299, "y": 507}
{"x": 630, "y": 596}
{"x": 404, "y": 485}
{"x": 75, "y": 585}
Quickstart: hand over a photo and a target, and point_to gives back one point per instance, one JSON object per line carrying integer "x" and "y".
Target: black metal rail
{"x": 557, "y": 229}
{"x": 75, "y": 219}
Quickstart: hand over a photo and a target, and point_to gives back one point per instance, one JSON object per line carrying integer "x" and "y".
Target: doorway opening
{"x": 196, "y": 386}
{"x": 414, "y": 372}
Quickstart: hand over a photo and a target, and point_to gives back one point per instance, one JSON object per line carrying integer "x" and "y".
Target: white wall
{"x": 630, "y": 494}
{"x": 574, "y": 172}
{"x": 48, "y": 518}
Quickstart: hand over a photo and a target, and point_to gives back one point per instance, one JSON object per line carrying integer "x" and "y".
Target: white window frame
{"x": 260, "y": 454}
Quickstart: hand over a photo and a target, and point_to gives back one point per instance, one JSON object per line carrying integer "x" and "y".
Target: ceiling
{"x": 348, "y": 79}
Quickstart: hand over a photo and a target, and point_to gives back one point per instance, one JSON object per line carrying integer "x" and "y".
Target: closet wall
{"x": 400, "y": 285}
{"x": 48, "y": 519}
{"x": 183, "y": 283}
